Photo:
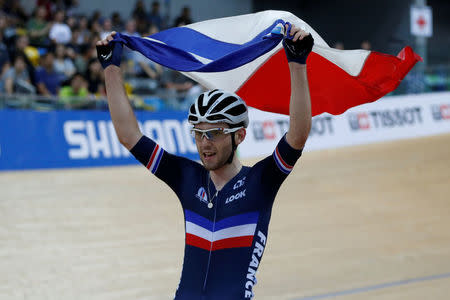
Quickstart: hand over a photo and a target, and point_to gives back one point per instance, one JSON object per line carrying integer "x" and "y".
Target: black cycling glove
{"x": 110, "y": 54}
{"x": 299, "y": 50}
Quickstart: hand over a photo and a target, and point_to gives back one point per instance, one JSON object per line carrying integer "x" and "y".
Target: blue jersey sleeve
{"x": 276, "y": 167}
{"x": 168, "y": 167}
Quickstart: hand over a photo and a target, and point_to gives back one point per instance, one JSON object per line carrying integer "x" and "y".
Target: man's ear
{"x": 240, "y": 136}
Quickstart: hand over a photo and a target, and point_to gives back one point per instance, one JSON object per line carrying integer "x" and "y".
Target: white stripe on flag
{"x": 351, "y": 61}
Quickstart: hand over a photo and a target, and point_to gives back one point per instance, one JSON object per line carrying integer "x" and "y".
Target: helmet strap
{"x": 233, "y": 148}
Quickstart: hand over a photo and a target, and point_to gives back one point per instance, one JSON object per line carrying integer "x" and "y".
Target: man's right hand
{"x": 109, "y": 53}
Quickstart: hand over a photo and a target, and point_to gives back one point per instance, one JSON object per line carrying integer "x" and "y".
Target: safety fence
{"x": 31, "y": 139}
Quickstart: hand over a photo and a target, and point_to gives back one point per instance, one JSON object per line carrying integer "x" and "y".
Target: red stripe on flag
{"x": 152, "y": 156}
{"x": 332, "y": 89}
{"x": 198, "y": 242}
{"x": 236, "y": 242}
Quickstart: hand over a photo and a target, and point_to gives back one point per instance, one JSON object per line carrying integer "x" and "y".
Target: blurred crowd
{"x": 51, "y": 52}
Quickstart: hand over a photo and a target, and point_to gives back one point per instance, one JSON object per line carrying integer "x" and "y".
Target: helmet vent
{"x": 237, "y": 110}
{"x": 222, "y": 104}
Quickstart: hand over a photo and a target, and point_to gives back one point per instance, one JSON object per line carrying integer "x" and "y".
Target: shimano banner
{"x": 59, "y": 139}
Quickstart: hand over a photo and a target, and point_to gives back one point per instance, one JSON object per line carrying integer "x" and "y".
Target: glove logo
{"x": 106, "y": 56}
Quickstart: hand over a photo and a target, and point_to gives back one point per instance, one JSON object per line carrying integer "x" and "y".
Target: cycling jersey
{"x": 224, "y": 243}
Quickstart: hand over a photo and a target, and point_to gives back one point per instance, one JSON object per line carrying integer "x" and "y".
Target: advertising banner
{"x": 60, "y": 139}
{"x": 390, "y": 118}
{"x": 64, "y": 139}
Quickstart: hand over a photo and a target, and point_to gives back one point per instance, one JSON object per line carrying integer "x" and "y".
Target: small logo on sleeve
{"x": 201, "y": 195}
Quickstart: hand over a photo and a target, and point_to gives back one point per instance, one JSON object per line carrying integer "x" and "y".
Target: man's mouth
{"x": 208, "y": 155}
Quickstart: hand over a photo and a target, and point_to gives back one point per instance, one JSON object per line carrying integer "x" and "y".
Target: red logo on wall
{"x": 269, "y": 130}
{"x": 445, "y": 111}
{"x": 363, "y": 121}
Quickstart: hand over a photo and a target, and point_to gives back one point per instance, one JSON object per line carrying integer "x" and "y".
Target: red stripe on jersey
{"x": 152, "y": 156}
{"x": 235, "y": 242}
{"x": 281, "y": 159}
{"x": 198, "y": 242}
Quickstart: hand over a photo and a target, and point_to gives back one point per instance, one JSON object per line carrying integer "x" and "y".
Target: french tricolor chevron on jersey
{"x": 243, "y": 54}
{"x": 233, "y": 232}
{"x": 155, "y": 158}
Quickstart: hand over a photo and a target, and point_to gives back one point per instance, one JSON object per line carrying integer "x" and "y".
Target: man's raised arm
{"x": 297, "y": 50}
{"x": 122, "y": 114}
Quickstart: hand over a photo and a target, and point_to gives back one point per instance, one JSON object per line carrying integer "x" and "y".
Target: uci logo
{"x": 201, "y": 195}
{"x": 239, "y": 183}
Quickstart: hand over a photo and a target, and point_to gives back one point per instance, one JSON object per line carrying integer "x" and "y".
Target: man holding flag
{"x": 227, "y": 206}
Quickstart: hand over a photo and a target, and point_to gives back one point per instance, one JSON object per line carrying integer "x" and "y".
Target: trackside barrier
{"x": 61, "y": 139}
{"x": 391, "y": 118}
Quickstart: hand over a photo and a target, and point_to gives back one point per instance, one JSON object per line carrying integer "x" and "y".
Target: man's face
{"x": 214, "y": 154}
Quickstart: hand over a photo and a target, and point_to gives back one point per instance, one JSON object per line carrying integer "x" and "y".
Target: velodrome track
{"x": 366, "y": 222}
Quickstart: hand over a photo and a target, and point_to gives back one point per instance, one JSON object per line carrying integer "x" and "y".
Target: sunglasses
{"x": 212, "y": 134}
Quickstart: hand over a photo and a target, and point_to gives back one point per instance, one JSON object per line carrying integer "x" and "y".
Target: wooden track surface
{"x": 367, "y": 222}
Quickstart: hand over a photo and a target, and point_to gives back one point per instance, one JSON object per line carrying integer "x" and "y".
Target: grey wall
{"x": 200, "y": 9}
{"x": 383, "y": 22}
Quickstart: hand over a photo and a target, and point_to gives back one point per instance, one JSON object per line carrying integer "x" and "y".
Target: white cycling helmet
{"x": 219, "y": 106}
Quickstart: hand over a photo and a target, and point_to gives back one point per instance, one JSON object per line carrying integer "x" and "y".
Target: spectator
{"x": 49, "y": 8}
{"x": 130, "y": 29}
{"x": 184, "y": 18}
{"x": 72, "y": 22}
{"x": 180, "y": 90}
{"x": 95, "y": 27}
{"x": 62, "y": 64}
{"x": 94, "y": 77}
{"x": 140, "y": 15}
{"x": 17, "y": 79}
{"x": 154, "y": 17}
{"x": 4, "y": 55}
{"x": 144, "y": 67}
{"x": 366, "y": 45}
{"x": 106, "y": 29}
{"x": 15, "y": 10}
{"x": 72, "y": 7}
{"x": 76, "y": 88}
{"x": 47, "y": 80}
{"x": 60, "y": 33}
{"x": 85, "y": 33}
{"x": 21, "y": 47}
{"x": 117, "y": 23}
{"x": 38, "y": 28}
{"x": 96, "y": 17}
{"x": 8, "y": 26}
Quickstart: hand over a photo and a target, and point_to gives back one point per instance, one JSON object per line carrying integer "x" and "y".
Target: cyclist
{"x": 227, "y": 206}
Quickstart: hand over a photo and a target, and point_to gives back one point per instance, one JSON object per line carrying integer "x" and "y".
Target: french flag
{"x": 232, "y": 232}
{"x": 244, "y": 54}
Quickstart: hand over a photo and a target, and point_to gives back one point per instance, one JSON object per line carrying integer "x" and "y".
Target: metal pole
{"x": 421, "y": 46}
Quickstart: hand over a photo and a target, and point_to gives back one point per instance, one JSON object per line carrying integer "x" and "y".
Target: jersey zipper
{"x": 210, "y": 248}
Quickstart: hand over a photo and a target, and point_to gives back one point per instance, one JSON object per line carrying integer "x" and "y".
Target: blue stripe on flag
{"x": 200, "y": 44}
{"x": 225, "y": 56}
